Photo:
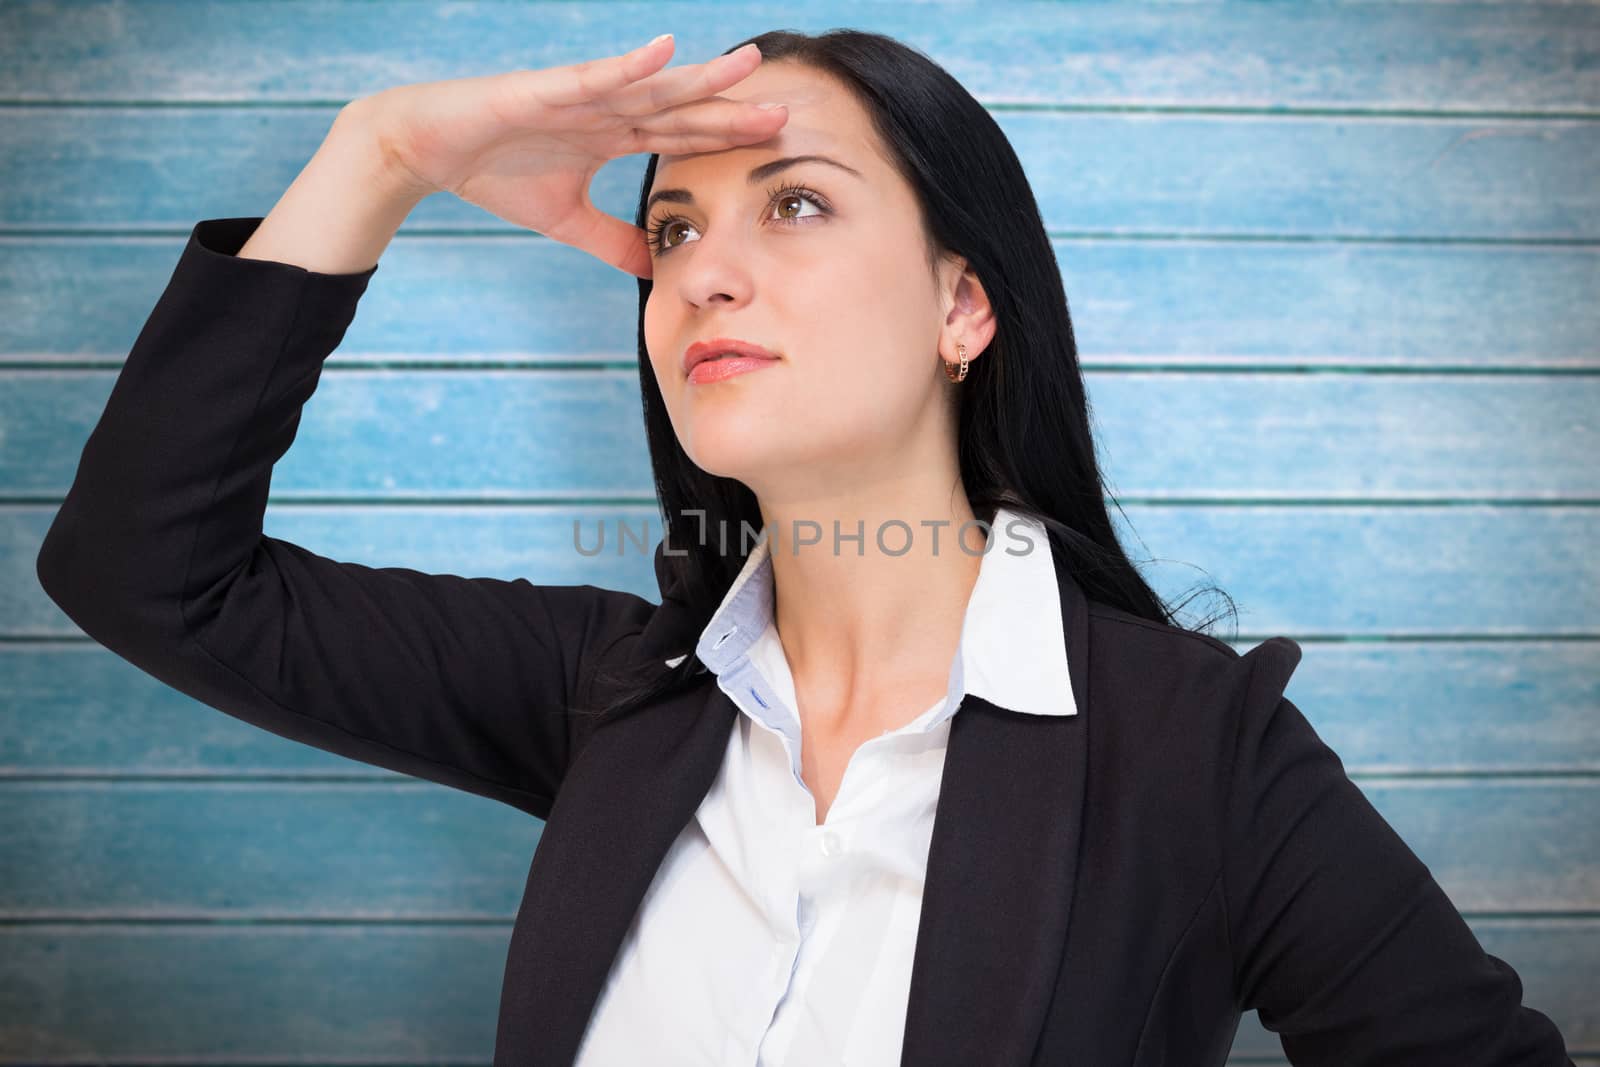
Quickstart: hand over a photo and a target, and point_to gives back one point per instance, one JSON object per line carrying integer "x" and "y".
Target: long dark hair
{"x": 1024, "y": 437}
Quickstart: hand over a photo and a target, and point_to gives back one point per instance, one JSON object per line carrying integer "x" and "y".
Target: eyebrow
{"x": 755, "y": 177}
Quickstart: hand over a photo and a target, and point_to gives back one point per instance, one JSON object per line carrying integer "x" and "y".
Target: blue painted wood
{"x": 1178, "y": 435}
{"x": 262, "y": 993}
{"x": 1251, "y": 304}
{"x": 1437, "y": 58}
{"x": 1152, "y": 174}
{"x": 366, "y": 993}
{"x": 1339, "y": 191}
{"x": 1355, "y": 569}
{"x": 71, "y": 708}
{"x": 378, "y": 850}
{"x": 405, "y": 850}
{"x": 1423, "y": 571}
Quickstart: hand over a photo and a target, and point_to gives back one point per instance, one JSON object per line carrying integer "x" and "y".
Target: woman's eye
{"x": 788, "y": 202}
{"x": 797, "y": 198}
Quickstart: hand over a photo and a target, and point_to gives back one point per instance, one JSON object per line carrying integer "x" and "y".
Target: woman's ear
{"x": 970, "y": 319}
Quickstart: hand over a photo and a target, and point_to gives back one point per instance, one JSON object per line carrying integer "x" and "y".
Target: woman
{"x": 1070, "y": 831}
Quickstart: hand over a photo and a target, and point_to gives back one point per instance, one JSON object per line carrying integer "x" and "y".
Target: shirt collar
{"x": 1012, "y": 649}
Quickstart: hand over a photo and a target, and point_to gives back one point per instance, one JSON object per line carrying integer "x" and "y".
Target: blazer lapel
{"x": 632, "y": 789}
{"x": 1002, "y": 864}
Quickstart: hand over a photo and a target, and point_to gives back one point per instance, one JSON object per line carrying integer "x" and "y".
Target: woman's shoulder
{"x": 1106, "y": 617}
{"x": 1144, "y": 659}
{"x": 604, "y": 624}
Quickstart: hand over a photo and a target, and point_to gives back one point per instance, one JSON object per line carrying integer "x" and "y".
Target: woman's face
{"x": 832, "y": 277}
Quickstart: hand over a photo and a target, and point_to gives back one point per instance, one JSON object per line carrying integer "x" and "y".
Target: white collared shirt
{"x": 768, "y": 940}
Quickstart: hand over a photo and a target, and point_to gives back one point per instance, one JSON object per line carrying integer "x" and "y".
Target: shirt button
{"x": 829, "y": 843}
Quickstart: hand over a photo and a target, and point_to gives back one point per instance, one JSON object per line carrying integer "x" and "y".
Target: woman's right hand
{"x": 526, "y": 144}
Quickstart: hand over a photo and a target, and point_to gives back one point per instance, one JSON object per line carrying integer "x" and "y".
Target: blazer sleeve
{"x": 1342, "y": 941}
{"x": 157, "y": 553}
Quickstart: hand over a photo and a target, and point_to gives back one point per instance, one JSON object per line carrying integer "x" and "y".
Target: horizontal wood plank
{"x": 75, "y": 709}
{"x": 1513, "y": 57}
{"x": 524, "y": 299}
{"x": 1185, "y": 435}
{"x": 1332, "y": 271}
{"x": 384, "y": 850}
{"x": 1307, "y": 571}
{"x": 401, "y": 995}
{"x": 1242, "y": 175}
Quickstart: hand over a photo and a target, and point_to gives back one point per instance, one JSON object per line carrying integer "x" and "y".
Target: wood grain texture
{"x": 1150, "y": 302}
{"x": 402, "y": 850}
{"x": 400, "y": 993}
{"x": 1434, "y": 58}
{"x": 1185, "y": 435}
{"x": 1412, "y": 572}
{"x": 1333, "y": 272}
{"x": 1245, "y": 175}
{"x": 70, "y": 709}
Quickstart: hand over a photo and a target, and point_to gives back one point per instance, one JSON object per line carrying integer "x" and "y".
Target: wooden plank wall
{"x": 1333, "y": 270}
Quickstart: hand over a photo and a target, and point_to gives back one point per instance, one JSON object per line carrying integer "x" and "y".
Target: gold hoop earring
{"x": 962, "y": 349}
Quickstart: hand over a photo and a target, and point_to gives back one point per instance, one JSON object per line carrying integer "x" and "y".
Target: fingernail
{"x": 768, "y": 107}
{"x": 658, "y": 40}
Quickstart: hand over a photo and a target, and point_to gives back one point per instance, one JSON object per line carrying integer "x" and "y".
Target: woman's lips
{"x": 715, "y": 370}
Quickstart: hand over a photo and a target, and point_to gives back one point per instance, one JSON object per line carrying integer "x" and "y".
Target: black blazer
{"x": 1109, "y": 888}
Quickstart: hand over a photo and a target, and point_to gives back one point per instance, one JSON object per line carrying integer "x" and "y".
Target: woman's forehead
{"x": 792, "y": 140}
{"x": 822, "y": 116}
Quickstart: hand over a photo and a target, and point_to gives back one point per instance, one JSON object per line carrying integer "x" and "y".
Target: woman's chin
{"x": 729, "y": 455}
